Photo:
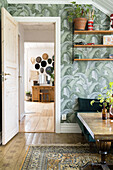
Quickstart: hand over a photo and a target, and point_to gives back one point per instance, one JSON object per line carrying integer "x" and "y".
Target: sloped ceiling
{"x": 103, "y": 5}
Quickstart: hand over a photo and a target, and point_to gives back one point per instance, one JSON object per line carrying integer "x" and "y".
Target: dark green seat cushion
{"x": 84, "y": 130}
{"x": 85, "y": 106}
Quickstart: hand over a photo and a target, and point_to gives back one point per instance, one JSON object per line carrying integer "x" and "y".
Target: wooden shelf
{"x": 94, "y": 32}
{"x": 92, "y": 46}
{"x": 94, "y": 59}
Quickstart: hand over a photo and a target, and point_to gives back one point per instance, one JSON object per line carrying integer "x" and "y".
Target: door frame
{"x": 18, "y": 76}
{"x": 55, "y": 20}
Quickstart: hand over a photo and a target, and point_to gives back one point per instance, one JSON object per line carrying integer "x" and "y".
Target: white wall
{"x": 39, "y": 36}
{"x": 21, "y": 33}
{"x": 37, "y": 50}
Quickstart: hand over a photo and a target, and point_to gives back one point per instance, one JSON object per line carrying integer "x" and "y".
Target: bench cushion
{"x": 85, "y": 106}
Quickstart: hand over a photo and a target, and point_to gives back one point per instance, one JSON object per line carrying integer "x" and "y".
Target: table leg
{"x": 103, "y": 148}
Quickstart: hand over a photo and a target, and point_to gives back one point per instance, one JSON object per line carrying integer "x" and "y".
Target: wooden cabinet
{"x": 52, "y": 94}
{"x": 37, "y": 89}
{"x": 35, "y": 93}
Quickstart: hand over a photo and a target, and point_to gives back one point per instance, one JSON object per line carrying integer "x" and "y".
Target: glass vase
{"x": 104, "y": 114}
{"x": 111, "y": 112}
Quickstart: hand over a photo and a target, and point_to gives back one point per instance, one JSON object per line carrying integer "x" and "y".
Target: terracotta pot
{"x": 80, "y": 23}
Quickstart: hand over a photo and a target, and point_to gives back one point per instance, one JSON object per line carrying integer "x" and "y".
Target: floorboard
{"x": 12, "y": 154}
{"x": 40, "y": 117}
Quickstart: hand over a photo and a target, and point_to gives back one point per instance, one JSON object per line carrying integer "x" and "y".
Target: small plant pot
{"x": 80, "y": 23}
{"x": 90, "y": 25}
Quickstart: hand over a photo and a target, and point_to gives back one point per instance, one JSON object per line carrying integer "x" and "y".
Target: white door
{"x": 10, "y": 77}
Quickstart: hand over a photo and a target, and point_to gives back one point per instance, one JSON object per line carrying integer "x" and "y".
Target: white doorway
{"x": 56, "y": 21}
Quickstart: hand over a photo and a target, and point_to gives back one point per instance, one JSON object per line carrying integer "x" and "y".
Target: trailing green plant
{"x": 78, "y": 11}
{"x": 107, "y": 97}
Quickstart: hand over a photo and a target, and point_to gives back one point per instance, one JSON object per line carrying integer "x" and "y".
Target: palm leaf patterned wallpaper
{"x": 84, "y": 79}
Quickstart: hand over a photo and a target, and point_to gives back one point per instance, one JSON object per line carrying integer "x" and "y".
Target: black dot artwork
{"x": 41, "y": 70}
{"x": 49, "y": 61}
{"x": 49, "y": 70}
{"x": 53, "y": 64}
{"x": 38, "y": 59}
{"x": 53, "y": 57}
{"x": 37, "y": 66}
{"x": 43, "y": 63}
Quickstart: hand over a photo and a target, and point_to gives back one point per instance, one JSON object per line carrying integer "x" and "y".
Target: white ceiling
{"x": 38, "y": 45}
{"x": 104, "y": 5}
{"x": 38, "y": 26}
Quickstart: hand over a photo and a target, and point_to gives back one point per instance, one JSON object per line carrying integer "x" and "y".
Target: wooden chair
{"x": 45, "y": 95}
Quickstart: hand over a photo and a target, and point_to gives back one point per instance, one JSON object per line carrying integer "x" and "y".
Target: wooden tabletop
{"x": 98, "y": 128}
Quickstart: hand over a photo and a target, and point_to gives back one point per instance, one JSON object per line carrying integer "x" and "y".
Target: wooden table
{"x": 101, "y": 131}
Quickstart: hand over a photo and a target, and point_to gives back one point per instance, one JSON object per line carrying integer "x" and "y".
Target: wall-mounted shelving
{"x": 94, "y": 32}
{"x": 92, "y": 46}
{"x": 94, "y": 59}
{"x": 104, "y": 32}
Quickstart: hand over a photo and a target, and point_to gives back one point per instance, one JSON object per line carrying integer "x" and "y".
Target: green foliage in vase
{"x": 107, "y": 96}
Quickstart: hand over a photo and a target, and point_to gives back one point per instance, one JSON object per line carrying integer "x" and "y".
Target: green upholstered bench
{"x": 85, "y": 106}
{"x": 84, "y": 130}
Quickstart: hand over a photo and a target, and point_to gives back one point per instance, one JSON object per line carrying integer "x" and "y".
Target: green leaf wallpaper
{"x": 81, "y": 78}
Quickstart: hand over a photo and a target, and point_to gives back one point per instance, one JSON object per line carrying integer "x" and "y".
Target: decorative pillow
{"x": 85, "y": 106}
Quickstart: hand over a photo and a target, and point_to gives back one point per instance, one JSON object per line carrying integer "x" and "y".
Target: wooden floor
{"x": 39, "y": 117}
{"x": 12, "y": 155}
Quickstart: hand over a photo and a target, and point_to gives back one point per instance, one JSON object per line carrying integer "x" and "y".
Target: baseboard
{"x": 70, "y": 128}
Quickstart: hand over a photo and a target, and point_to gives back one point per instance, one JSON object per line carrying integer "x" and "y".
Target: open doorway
{"x": 12, "y": 77}
{"x": 39, "y": 87}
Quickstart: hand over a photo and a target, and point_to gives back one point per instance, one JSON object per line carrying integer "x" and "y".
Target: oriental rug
{"x": 61, "y": 157}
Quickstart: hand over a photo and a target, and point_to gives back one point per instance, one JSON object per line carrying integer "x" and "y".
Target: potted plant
{"x": 106, "y": 99}
{"x": 28, "y": 95}
{"x": 52, "y": 79}
{"x": 78, "y": 14}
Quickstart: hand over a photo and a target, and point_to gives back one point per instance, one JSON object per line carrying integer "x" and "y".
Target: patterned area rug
{"x": 61, "y": 157}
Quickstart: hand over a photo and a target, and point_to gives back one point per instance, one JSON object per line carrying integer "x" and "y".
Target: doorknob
{"x": 19, "y": 77}
{"x": 7, "y": 74}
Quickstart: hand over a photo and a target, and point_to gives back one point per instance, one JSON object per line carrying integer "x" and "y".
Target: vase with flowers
{"x": 106, "y": 100}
